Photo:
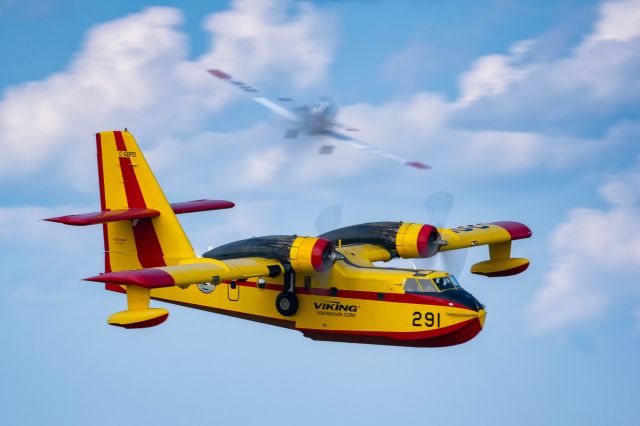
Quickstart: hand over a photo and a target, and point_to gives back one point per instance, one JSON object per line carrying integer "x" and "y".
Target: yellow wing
{"x": 139, "y": 283}
{"x": 483, "y": 233}
{"x": 498, "y": 235}
{"x": 383, "y": 241}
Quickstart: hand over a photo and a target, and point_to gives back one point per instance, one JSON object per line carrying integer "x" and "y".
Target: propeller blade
{"x": 438, "y": 207}
{"x": 453, "y": 261}
{"x": 328, "y": 219}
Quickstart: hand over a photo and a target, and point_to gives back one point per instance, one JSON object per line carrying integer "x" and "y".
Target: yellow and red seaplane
{"x": 329, "y": 287}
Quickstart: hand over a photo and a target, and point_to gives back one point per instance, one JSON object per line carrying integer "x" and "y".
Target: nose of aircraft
{"x": 463, "y": 298}
{"x": 481, "y": 316}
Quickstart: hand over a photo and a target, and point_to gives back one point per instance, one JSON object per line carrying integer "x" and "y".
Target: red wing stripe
{"x": 517, "y": 230}
{"x": 104, "y": 217}
{"x": 148, "y": 278}
{"x": 200, "y": 206}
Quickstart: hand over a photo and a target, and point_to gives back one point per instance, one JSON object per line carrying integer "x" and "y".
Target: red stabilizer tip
{"x": 147, "y": 278}
{"x": 200, "y": 206}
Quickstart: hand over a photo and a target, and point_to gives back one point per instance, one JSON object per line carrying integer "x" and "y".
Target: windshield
{"x": 446, "y": 283}
{"x": 413, "y": 285}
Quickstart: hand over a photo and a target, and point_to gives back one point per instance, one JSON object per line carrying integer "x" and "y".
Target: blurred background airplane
{"x": 317, "y": 119}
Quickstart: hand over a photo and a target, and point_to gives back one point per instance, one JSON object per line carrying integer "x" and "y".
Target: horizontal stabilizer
{"x": 104, "y": 216}
{"x": 199, "y": 271}
{"x": 200, "y": 206}
{"x": 95, "y": 218}
{"x": 147, "y": 278}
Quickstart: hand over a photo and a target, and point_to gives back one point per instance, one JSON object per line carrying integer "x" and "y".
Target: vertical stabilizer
{"x": 126, "y": 182}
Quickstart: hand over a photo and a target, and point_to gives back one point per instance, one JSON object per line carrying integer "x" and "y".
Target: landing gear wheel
{"x": 287, "y": 304}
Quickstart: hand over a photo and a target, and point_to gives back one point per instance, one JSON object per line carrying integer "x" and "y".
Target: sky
{"x": 527, "y": 111}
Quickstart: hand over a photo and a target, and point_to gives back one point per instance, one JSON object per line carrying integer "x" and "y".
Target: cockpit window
{"x": 427, "y": 285}
{"x": 446, "y": 283}
{"x": 412, "y": 285}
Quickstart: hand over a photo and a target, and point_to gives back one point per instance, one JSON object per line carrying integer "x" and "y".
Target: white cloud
{"x": 596, "y": 260}
{"x": 493, "y": 74}
{"x": 620, "y": 21}
{"x": 623, "y": 191}
{"x": 134, "y": 71}
{"x": 258, "y": 37}
{"x": 583, "y": 93}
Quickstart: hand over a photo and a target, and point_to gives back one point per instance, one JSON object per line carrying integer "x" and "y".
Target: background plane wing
{"x": 374, "y": 150}
{"x": 196, "y": 271}
{"x": 254, "y": 93}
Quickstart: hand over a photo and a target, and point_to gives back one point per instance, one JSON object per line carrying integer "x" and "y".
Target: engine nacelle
{"x": 406, "y": 240}
{"x": 310, "y": 254}
{"x": 304, "y": 254}
{"x": 415, "y": 240}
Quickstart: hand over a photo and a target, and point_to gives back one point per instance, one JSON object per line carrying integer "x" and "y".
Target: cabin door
{"x": 233, "y": 291}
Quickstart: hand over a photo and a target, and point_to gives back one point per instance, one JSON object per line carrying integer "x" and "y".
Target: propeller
{"x": 438, "y": 206}
{"x": 328, "y": 219}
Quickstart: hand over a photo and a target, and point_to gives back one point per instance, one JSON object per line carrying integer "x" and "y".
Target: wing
{"x": 482, "y": 234}
{"x": 382, "y": 241}
{"x": 196, "y": 271}
{"x": 374, "y": 150}
{"x": 498, "y": 236}
{"x": 255, "y": 95}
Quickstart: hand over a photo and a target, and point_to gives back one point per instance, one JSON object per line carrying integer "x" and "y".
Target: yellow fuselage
{"x": 351, "y": 302}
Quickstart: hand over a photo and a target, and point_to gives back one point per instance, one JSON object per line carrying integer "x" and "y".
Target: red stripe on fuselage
{"x": 420, "y": 299}
{"x": 251, "y": 317}
{"x": 446, "y": 336}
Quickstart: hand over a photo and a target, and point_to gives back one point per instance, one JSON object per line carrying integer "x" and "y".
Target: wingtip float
{"x": 327, "y": 287}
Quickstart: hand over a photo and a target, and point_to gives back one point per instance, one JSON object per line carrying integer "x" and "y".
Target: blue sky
{"x": 527, "y": 112}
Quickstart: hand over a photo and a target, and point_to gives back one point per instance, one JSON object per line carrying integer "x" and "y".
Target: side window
{"x": 427, "y": 285}
{"x": 411, "y": 284}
